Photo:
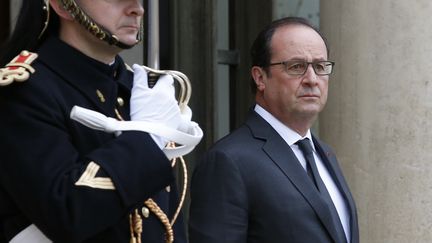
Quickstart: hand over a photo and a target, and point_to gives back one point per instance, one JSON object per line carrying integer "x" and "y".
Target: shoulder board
{"x": 18, "y": 69}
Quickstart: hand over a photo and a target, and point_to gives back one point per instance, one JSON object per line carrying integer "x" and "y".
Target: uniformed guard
{"x": 61, "y": 181}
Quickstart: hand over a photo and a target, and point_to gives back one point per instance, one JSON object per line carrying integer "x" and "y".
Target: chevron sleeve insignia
{"x": 88, "y": 178}
{"x": 18, "y": 69}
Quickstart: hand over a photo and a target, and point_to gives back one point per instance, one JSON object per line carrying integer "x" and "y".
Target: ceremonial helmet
{"x": 89, "y": 24}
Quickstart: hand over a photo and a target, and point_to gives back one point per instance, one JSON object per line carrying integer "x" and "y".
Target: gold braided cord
{"x": 136, "y": 225}
{"x": 131, "y": 229}
{"x": 46, "y": 8}
{"x": 135, "y": 220}
{"x": 184, "y": 190}
{"x": 154, "y": 208}
{"x": 83, "y": 19}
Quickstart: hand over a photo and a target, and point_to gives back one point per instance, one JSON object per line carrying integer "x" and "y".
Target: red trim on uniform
{"x": 20, "y": 59}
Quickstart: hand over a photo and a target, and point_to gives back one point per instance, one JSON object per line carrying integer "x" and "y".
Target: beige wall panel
{"x": 379, "y": 113}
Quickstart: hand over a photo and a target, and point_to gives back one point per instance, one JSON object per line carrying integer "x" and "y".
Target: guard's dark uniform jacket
{"x": 74, "y": 183}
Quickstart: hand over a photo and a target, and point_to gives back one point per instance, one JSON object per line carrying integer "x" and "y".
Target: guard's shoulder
{"x": 19, "y": 69}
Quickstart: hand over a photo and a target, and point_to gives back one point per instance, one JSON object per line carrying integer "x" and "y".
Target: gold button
{"x": 100, "y": 95}
{"x": 120, "y": 101}
{"x": 145, "y": 212}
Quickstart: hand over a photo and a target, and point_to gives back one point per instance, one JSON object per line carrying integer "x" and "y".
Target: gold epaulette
{"x": 18, "y": 69}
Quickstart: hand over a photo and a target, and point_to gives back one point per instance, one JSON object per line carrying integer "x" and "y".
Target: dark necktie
{"x": 312, "y": 170}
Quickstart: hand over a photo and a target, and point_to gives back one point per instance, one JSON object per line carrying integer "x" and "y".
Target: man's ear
{"x": 59, "y": 9}
{"x": 259, "y": 76}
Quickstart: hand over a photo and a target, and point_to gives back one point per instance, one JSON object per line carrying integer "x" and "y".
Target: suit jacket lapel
{"x": 281, "y": 154}
{"x": 332, "y": 165}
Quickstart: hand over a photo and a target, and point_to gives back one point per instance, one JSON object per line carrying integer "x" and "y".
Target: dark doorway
{"x": 247, "y": 18}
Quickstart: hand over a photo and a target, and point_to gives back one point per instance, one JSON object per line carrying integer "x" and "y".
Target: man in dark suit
{"x": 271, "y": 180}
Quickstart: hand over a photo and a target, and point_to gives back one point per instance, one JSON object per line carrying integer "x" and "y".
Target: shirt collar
{"x": 290, "y": 136}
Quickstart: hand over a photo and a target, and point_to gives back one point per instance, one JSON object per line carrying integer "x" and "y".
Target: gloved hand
{"x": 158, "y": 104}
{"x": 186, "y": 117}
{"x": 186, "y": 124}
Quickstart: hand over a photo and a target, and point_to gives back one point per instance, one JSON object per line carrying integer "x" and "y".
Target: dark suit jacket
{"x": 250, "y": 187}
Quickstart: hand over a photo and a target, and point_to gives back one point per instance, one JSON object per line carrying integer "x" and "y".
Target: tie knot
{"x": 305, "y": 146}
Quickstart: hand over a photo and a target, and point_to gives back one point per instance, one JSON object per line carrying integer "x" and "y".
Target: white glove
{"x": 186, "y": 119}
{"x": 158, "y": 104}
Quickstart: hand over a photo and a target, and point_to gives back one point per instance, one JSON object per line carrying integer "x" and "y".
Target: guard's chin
{"x": 130, "y": 41}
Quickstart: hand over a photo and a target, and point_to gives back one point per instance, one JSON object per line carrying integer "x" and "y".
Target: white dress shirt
{"x": 291, "y": 137}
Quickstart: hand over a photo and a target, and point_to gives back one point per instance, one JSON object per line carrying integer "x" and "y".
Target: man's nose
{"x": 310, "y": 77}
{"x": 136, "y": 8}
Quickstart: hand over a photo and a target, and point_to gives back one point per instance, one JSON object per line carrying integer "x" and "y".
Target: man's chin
{"x": 311, "y": 110}
{"x": 129, "y": 41}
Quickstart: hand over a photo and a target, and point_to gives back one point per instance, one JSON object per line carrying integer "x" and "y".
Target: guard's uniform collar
{"x": 95, "y": 79}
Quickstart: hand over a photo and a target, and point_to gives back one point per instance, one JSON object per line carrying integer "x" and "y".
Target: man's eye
{"x": 296, "y": 66}
{"x": 320, "y": 66}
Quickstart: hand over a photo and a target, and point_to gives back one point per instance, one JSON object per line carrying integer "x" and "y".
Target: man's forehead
{"x": 296, "y": 31}
{"x": 297, "y": 36}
